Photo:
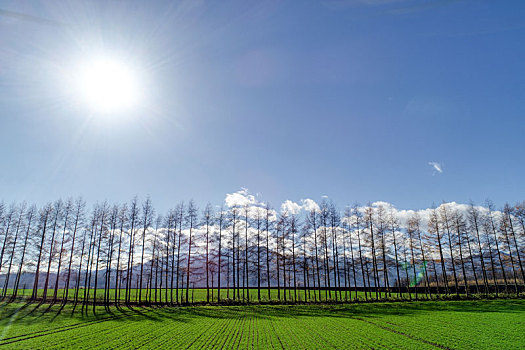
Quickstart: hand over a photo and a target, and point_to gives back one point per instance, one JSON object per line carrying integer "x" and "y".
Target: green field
{"x": 495, "y": 324}
{"x": 200, "y": 295}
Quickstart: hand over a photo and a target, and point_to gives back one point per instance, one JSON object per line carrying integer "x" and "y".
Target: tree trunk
{"x": 12, "y": 255}
{"x": 57, "y": 213}
{"x": 29, "y": 218}
{"x": 77, "y": 219}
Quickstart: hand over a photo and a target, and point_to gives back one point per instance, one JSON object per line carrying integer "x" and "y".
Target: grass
{"x": 486, "y": 324}
{"x": 199, "y": 295}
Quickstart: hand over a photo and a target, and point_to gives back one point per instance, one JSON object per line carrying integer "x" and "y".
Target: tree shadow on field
{"x": 185, "y": 314}
{"x": 7, "y": 310}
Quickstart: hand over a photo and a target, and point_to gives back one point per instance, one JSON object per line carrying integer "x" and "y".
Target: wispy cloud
{"x": 437, "y": 167}
{"x": 420, "y": 6}
{"x": 30, "y": 18}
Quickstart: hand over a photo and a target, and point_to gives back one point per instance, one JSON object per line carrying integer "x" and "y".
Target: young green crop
{"x": 416, "y": 325}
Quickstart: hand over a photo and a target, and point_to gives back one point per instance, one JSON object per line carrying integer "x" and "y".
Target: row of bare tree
{"x": 128, "y": 254}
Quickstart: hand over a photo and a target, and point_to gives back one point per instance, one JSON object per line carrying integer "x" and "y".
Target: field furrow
{"x": 497, "y": 324}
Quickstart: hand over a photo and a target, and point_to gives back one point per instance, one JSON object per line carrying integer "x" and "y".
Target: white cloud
{"x": 304, "y": 206}
{"x": 290, "y": 207}
{"x": 309, "y": 205}
{"x": 240, "y": 198}
{"x": 243, "y": 197}
{"x": 385, "y": 205}
{"x": 437, "y": 167}
{"x": 295, "y": 208}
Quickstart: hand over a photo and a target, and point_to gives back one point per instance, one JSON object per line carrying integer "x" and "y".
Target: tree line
{"x": 129, "y": 254}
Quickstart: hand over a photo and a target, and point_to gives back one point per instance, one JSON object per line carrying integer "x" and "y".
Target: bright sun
{"x": 107, "y": 85}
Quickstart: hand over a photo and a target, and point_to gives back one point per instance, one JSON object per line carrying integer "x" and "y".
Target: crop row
{"x": 407, "y": 325}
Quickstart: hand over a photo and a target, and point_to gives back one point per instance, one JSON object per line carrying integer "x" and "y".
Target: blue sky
{"x": 353, "y": 100}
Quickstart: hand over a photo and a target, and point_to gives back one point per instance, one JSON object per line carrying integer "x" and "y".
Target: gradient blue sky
{"x": 290, "y": 99}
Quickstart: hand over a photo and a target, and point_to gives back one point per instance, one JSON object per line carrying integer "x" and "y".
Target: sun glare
{"x": 107, "y": 85}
